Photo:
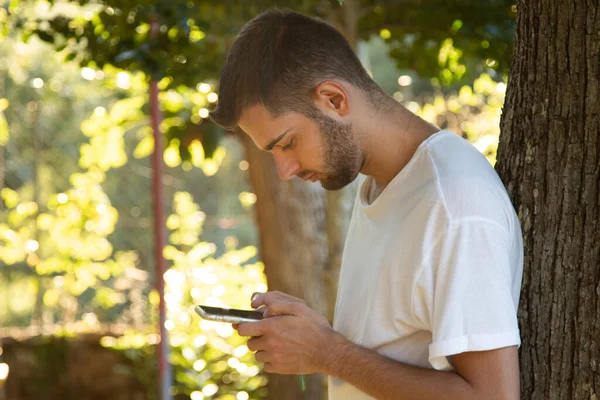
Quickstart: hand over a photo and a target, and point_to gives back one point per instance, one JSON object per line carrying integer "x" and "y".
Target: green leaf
{"x": 171, "y": 156}
{"x": 25, "y": 36}
{"x": 3, "y": 130}
{"x": 144, "y": 148}
{"x": 197, "y": 153}
{"x": 10, "y": 197}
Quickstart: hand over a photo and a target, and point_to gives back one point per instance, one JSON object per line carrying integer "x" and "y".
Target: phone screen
{"x": 250, "y": 314}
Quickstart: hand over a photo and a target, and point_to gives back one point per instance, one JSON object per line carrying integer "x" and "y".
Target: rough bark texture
{"x": 549, "y": 158}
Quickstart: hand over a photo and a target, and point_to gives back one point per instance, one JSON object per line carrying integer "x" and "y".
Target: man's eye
{"x": 289, "y": 145}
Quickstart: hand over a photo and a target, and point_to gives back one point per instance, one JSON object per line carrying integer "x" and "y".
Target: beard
{"x": 341, "y": 155}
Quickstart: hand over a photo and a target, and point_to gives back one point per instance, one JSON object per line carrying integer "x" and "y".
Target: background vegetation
{"x": 75, "y": 218}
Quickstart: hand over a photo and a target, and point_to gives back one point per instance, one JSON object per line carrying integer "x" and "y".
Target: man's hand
{"x": 292, "y": 339}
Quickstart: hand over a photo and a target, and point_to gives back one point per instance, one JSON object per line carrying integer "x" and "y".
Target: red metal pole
{"x": 159, "y": 234}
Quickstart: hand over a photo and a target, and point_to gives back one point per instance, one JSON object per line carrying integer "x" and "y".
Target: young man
{"x": 432, "y": 266}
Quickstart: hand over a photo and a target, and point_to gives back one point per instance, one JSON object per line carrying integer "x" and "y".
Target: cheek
{"x": 311, "y": 159}
{"x": 314, "y": 154}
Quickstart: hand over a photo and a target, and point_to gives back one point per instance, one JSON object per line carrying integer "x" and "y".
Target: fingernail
{"x": 254, "y": 296}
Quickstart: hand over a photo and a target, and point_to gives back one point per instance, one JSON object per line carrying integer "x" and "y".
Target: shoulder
{"x": 467, "y": 184}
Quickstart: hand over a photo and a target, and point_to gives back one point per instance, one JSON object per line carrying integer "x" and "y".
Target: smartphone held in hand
{"x": 230, "y": 315}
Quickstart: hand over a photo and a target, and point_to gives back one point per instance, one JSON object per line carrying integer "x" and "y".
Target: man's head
{"x": 289, "y": 83}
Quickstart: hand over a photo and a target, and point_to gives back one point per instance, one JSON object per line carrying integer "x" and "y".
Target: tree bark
{"x": 549, "y": 159}
{"x": 302, "y": 229}
{"x": 293, "y": 246}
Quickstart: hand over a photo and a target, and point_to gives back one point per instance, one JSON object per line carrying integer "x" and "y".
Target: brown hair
{"x": 278, "y": 59}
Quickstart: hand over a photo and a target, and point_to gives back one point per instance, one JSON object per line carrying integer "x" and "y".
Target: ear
{"x": 332, "y": 97}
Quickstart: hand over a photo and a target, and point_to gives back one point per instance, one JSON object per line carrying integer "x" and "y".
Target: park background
{"x": 79, "y": 305}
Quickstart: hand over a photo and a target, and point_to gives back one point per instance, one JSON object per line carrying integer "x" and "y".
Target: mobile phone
{"x": 231, "y": 315}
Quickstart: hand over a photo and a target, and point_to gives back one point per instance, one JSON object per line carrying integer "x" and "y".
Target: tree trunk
{"x": 549, "y": 159}
{"x": 302, "y": 229}
{"x": 293, "y": 246}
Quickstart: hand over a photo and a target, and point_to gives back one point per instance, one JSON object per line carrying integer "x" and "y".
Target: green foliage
{"x": 193, "y": 36}
{"x": 474, "y": 112}
{"x": 449, "y": 40}
{"x": 106, "y": 148}
{"x": 208, "y": 357}
{"x": 3, "y": 123}
{"x": 60, "y": 228}
{"x": 114, "y": 41}
{"x": 70, "y": 235}
{"x": 187, "y": 130}
{"x": 72, "y": 227}
{"x": 189, "y": 41}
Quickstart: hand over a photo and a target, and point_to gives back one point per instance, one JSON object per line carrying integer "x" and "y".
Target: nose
{"x": 286, "y": 167}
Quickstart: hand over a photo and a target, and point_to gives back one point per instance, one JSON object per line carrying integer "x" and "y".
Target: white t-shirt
{"x": 433, "y": 266}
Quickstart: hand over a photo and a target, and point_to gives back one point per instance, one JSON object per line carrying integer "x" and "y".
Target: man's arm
{"x": 486, "y": 375}
{"x": 293, "y": 339}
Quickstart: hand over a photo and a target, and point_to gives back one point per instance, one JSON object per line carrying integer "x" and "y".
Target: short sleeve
{"x": 464, "y": 293}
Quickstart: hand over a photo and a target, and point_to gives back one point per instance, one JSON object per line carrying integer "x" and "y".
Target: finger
{"x": 256, "y": 343}
{"x": 260, "y": 299}
{"x": 258, "y": 328}
{"x": 256, "y": 299}
{"x": 268, "y": 367}
{"x": 285, "y": 308}
{"x": 262, "y": 357}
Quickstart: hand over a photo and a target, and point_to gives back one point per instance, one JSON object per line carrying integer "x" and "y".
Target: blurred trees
{"x": 66, "y": 223}
{"x": 45, "y": 214}
{"x": 69, "y": 238}
{"x": 549, "y": 159}
{"x": 209, "y": 358}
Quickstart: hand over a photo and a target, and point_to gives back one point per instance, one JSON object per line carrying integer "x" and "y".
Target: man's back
{"x": 433, "y": 266}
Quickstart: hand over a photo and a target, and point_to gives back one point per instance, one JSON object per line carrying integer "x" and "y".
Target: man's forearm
{"x": 383, "y": 378}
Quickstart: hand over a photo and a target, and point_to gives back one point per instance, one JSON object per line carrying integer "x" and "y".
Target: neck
{"x": 390, "y": 141}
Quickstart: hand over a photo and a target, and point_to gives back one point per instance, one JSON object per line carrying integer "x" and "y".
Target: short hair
{"x": 277, "y": 61}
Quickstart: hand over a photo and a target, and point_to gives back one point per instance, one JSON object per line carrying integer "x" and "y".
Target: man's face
{"x": 316, "y": 149}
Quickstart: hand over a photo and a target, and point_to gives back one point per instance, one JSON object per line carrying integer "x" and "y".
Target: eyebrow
{"x": 276, "y": 140}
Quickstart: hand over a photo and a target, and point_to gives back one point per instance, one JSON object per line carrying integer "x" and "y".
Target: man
{"x": 432, "y": 266}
